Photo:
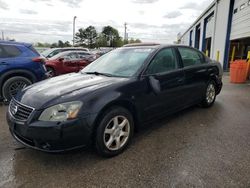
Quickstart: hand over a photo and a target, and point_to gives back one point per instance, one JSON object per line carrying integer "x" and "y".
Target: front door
{"x": 70, "y": 63}
{"x": 165, "y": 71}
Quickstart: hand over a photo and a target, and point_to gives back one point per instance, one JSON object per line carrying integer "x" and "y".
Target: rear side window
{"x": 55, "y": 52}
{"x": 33, "y": 50}
{"x": 164, "y": 61}
{"x": 2, "y": 53}
{"x": 9, "y": 51}
{"x": 190, "y": 57}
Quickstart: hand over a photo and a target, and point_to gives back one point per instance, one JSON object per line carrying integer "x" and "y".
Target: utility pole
{"x": 125, "y": 31}
{"x": 2, "y": 35}
{"x": 74, "y": 23}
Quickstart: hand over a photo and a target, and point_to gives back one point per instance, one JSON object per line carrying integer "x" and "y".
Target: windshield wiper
{"x": 99, "y": 73}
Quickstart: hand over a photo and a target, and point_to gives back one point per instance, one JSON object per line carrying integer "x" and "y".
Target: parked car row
{"x": 54, "y": 51}
{"x": 21, "y": 65}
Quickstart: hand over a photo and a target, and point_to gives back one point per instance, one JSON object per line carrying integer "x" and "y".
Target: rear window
{"x": 33, "y": 50}
{"x": 190, "y": 57}
{"x": 9, "y": 51}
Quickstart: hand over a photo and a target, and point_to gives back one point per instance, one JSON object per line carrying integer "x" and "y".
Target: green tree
{"x": 60, "y": 44}
{"x": 112, "y": 35}
{"x": 118, "y": 42}
{"x": 86, "y": 36}
{"x": 54, "y": 45}
{"x": 67, "y": 44}
{"x": 101, "y": 41}
{"x": 131, "y": 41}
{"x": 137, "y": 41}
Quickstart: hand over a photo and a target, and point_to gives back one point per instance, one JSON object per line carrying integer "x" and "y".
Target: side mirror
{"x": 155, "y": 84}
{"x": 61, "y": 59}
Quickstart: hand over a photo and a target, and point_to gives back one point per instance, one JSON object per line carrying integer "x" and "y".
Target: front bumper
{"x": 51, "y": 136}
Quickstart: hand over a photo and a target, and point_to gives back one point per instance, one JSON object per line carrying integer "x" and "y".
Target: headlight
{"x": 61, "y": 112}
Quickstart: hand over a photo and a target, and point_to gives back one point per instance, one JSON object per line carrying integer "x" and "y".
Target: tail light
{"x": 39, "y": 59}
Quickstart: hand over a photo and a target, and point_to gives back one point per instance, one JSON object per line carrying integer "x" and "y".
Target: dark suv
{"x": 20, "y": 66}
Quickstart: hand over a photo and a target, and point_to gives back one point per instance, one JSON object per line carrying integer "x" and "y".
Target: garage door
{"x": 241, "y": 20}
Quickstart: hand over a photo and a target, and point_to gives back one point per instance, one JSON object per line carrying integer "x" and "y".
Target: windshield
{"x": 45, "y": 53}
{"x": 62, "y": 54}
{"x": 124, "y": 62}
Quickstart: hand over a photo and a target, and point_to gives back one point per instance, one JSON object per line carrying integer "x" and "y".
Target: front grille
{"x": 19, "y": 111}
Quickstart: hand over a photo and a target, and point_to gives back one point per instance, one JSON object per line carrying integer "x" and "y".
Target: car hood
{"x": 63, "y": 89}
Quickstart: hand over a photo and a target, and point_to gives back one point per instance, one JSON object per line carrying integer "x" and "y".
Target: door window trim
{"x": 181, "y": 61}
{"x": 166, "y": 72}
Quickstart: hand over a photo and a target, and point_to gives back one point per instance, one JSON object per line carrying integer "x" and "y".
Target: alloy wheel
{"x": 210, "y": 95}
{"x": 16, "y": 86}
{"x": 116, "y": 133}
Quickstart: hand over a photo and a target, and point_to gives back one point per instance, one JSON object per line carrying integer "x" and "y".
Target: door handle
{"x": 202, "y": 71}
{"x": 180, "y": 80}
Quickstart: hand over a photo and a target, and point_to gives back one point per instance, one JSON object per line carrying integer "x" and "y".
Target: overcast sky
{"x": 51, "y": 20}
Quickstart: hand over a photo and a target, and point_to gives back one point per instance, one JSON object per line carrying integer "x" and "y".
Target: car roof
{"x": 15, "y": 43}
{"x": 74, "y": 48}
{"x": 73, "y": 51}
{"x": 141, "y": 44}
{"x": 155, "y": 45}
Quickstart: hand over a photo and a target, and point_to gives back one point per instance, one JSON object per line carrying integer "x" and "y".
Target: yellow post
{"x": 207, "y": 53}
{"x": 218, "y": 55}
{"x": 233, "y": 54}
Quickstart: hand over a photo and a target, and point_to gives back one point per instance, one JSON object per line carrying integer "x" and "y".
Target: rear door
{"x": 8, "y": 55}
{"x": 196, "y": 74}
{"x": 165, "y": 69}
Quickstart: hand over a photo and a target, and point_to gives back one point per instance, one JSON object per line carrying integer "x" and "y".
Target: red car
{"x": 67, "y": 62}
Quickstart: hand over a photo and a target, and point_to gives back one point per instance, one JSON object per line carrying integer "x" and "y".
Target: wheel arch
{"x": 215, "y": 77}
{"x": 19, "y": 72}
{"x": 52, "y": 67}
{"x": 128, "y": 105}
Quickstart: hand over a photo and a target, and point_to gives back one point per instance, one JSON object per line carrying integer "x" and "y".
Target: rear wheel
{"x": 114, "y": 132}
{"x": 210, "y": 95}
{"x": 13, "y": 85}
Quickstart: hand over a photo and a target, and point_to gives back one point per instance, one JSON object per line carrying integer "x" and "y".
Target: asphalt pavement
{"x": 194, "y": 148}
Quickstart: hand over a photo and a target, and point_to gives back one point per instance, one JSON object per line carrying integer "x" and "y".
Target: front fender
{"x": 95, "y": 106}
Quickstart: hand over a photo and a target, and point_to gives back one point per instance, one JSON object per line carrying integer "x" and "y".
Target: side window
{"x": 73, "y": 56}
{"x": 9, "y": 51}
{"x": 54, "y": 53}
{"x": 190, "y": 57}
{"x": 82, "y": 55}
{"x": 2, "y": 53}
{"x": 164, "y": 61}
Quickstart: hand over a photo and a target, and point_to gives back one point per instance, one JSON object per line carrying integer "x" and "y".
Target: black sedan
{"x": 118, "y": 93}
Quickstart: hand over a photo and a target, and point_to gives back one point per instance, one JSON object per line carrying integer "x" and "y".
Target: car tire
{"x": 114, "y": 132}
{"x": 13, "y": 85}
{"x": 210, "y": 95}
{"x": 51, "y": 72}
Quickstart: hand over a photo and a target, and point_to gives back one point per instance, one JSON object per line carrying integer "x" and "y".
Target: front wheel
{"x": 13, "y": 85}
{"x": 210, "y": 95}
{"x": 114, "y": 132}
{"x": 51, "y": 72}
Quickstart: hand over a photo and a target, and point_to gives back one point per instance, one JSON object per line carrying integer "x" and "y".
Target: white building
{"x": 224, "y": 25}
